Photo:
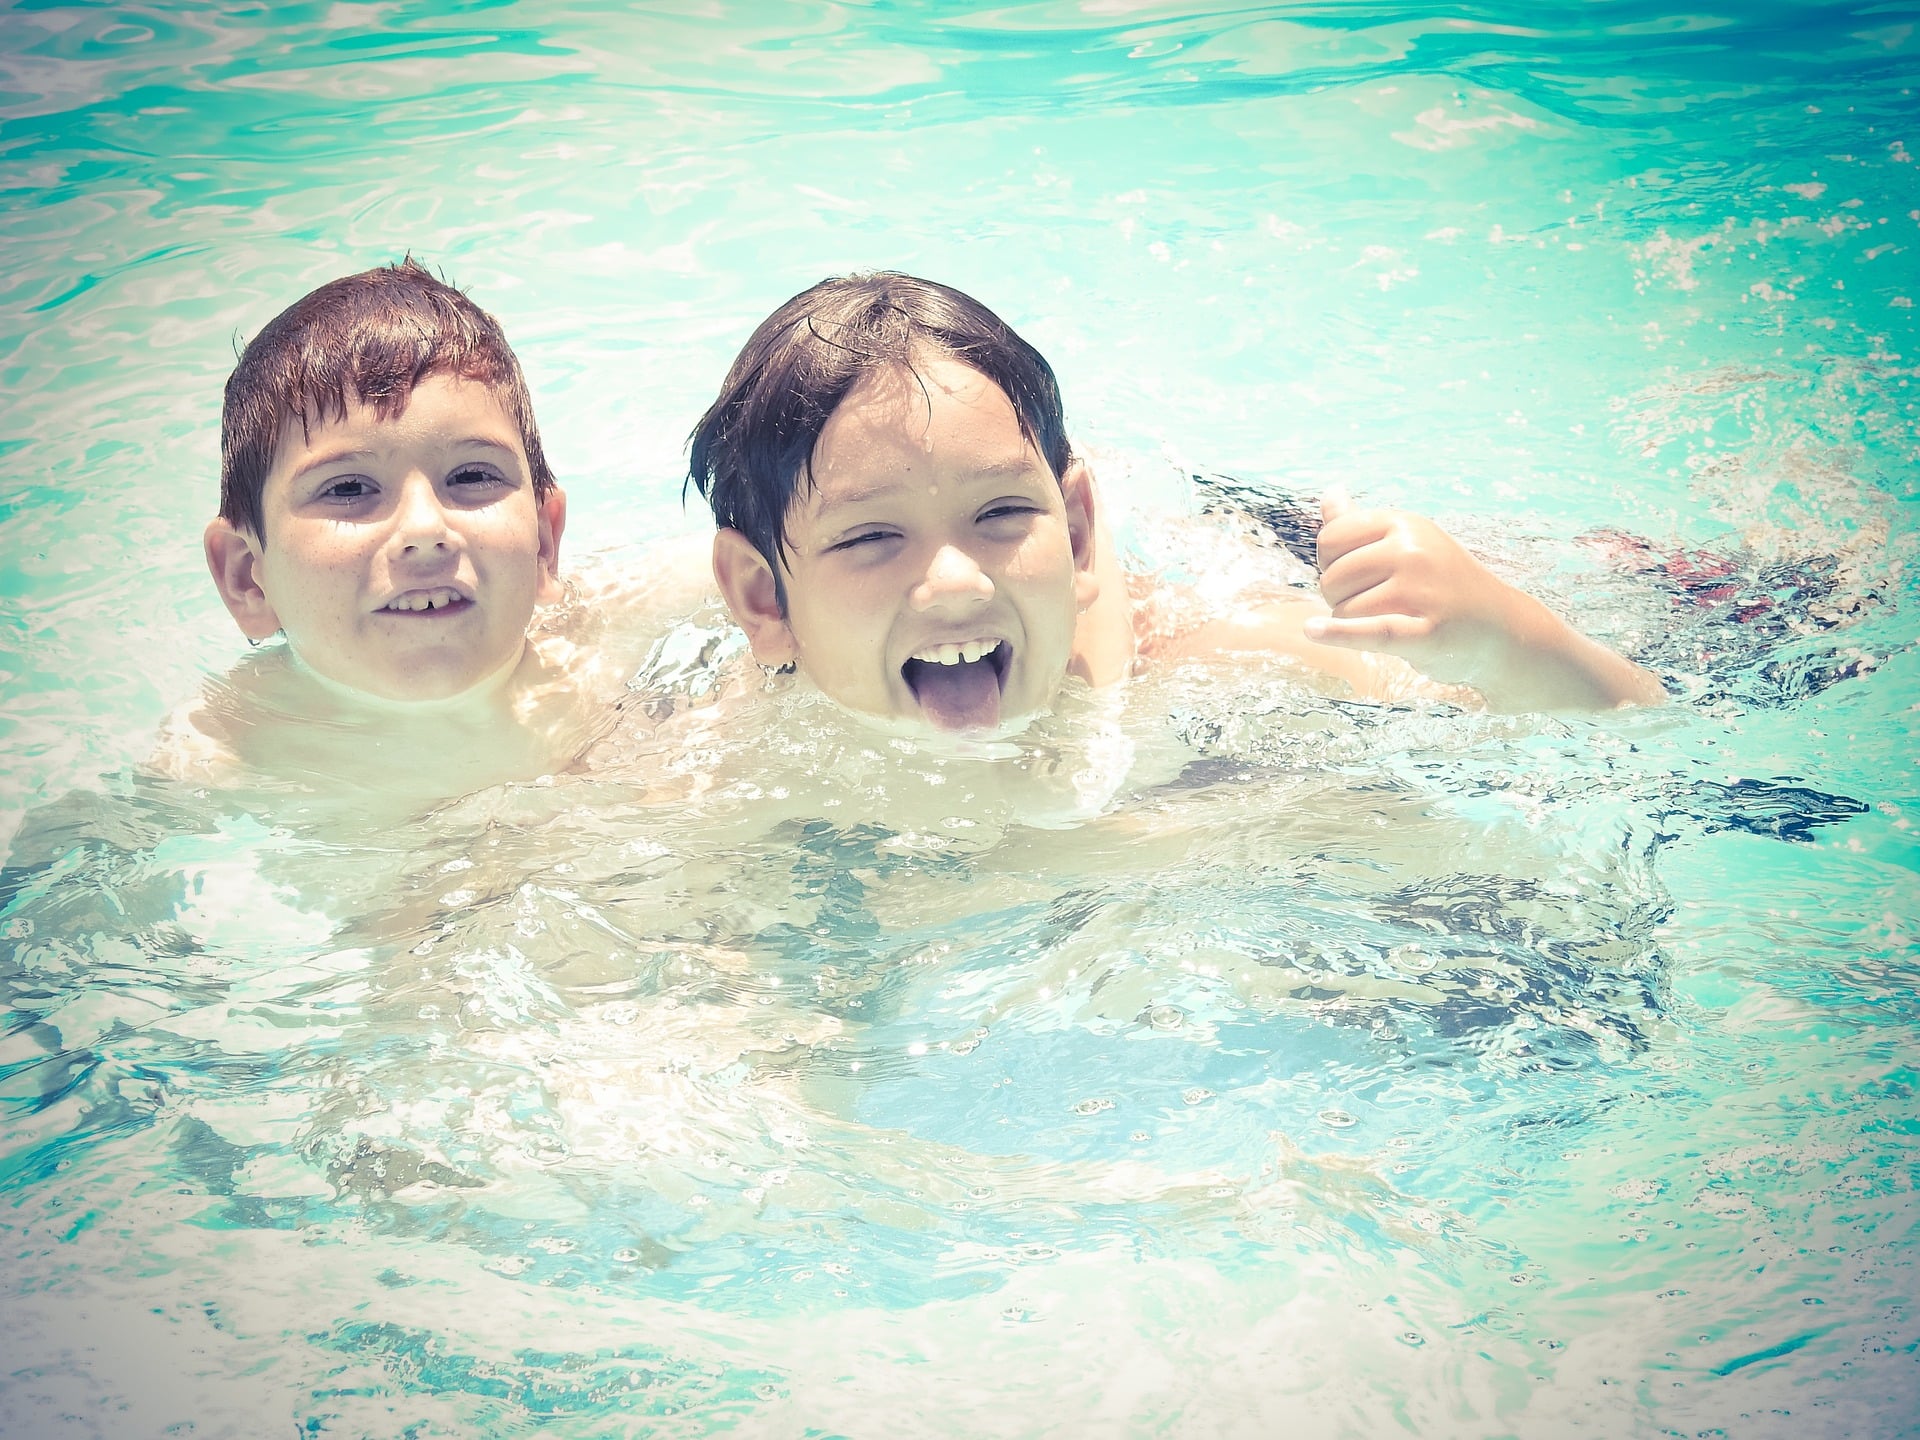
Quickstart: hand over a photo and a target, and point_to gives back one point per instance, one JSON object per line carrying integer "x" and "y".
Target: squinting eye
{"x": 473, "y": 476}
{"x": 1011, "y": 508}
{"x": 865, "y": 537}
{"x": 351, "y": 488}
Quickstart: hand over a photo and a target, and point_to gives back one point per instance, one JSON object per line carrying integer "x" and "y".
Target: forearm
{"x": 1526, "y": 659}
{"x": 1548, "y": 665}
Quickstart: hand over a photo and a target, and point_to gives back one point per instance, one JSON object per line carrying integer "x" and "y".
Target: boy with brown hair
{"x": 387, "y": 508}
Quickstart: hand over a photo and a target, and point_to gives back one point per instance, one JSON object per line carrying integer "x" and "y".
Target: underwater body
{"x": 1219, "y": 1057}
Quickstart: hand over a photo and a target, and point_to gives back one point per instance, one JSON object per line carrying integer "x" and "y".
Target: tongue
{"x": 957, "y": 697}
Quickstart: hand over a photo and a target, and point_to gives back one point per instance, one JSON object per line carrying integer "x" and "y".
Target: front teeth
{"x": 967, "y": 651}
{"x": 424, "y": 600}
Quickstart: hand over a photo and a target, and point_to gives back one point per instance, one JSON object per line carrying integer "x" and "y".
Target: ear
{"x": 1083, "y": 519}
{"x": 553, "y": 522}
{"x": 746, "y": 582}
{"x": 234, "y": 557}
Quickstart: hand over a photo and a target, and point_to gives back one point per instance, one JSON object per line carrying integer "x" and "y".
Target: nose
{"x": 953, "y": 579}
{"x": 420, "y": 519}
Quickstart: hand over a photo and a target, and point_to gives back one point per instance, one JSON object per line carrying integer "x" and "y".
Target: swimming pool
{"x": 1313, "y": 1069}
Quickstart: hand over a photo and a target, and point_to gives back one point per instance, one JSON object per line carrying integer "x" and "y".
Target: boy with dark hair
{"x": 902, "y": 520}
{"x": 385, "y": 505}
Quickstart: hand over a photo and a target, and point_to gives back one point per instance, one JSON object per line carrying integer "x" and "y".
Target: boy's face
{"x": 937, "y": 568}
{"x": 401, "y": 557}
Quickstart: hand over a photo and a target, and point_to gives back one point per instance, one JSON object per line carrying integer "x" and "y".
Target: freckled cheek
{"x": 329, "y": 554}
{"x": 864, "y": 603}
{"x": 1040, "y": 559}
{"x": 506, "y": 534}
{"x": 318, "y": 585}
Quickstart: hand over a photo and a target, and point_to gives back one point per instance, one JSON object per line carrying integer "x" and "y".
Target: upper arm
{"x": 1276, "y": 628}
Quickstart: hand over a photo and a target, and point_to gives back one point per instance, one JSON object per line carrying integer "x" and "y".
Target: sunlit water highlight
{"x": 1227, "y": 1061}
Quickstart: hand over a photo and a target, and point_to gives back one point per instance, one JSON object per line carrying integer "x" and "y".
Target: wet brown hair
{"x": 751, "y": 455}
{"x": 368, "y": 338}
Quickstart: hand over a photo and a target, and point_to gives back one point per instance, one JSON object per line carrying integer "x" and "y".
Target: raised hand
{"x": 1397, "y": 584}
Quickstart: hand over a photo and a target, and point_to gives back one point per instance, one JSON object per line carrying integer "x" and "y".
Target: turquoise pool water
{"x": 1379, "y": 1072}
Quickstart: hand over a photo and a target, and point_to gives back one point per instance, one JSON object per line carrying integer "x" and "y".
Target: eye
{"x": 474, "y": 475}
{"x": 1009, "y": 509}
{"x": 861, "y": 538}
{"x": 347, "y": 488}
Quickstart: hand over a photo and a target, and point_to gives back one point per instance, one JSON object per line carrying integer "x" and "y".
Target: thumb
{"x": 1334, "y": 502}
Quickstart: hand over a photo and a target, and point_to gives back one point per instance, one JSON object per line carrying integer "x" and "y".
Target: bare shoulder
{"x": 618, "y": 603}
{"x": 666, "y": 577}
{"x": 190, "y": 751}
{"x": 201, "y": 741}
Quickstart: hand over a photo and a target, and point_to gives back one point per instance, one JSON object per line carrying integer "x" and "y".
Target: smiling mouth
{"x": 958, "y": 685}
{"x": 437, "y": 601}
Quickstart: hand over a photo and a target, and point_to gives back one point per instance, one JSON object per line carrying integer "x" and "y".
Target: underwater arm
{"x": 1398, "y": 585}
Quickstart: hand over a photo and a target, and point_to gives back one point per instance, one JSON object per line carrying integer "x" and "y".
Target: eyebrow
{"x": 1012, "y": 468}
{"x": 329, "y": 458}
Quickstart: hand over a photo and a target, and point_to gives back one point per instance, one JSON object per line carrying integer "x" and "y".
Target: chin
{"x": 918, "y": 727}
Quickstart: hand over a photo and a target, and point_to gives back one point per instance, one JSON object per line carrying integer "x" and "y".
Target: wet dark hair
{"x": 369, "y": 337}
{"x": 752, "y": 452}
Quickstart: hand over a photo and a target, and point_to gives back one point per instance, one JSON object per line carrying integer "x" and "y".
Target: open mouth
{"x": 958, "y": 685}
{"x": 440, "y": 600}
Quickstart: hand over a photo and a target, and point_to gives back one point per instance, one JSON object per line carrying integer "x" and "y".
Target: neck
{"x": 481, "y": 700}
